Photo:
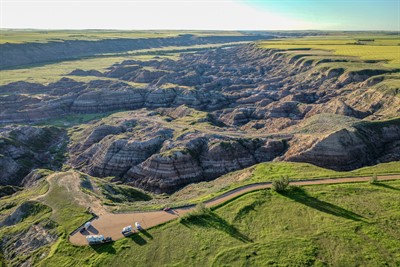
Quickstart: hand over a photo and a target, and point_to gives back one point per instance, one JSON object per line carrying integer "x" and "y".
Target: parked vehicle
{"x": 138, "y": 226}
{"x": 87, "y": 225}
{"x": 97, "y": 239}
{"x": 127, "y": 231}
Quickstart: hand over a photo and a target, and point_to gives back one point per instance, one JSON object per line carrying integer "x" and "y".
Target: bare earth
{"x": 71, "y": 182}
{"x": 109, "y": 224}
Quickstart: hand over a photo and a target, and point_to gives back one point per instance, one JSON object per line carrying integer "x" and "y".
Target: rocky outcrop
{"x": 348, "y": 149}
{"x": 241, "y": 84}
{"x": 23, "y": 148}
{"x": 200, "y": 159}
{"x": 209, "y": 113}
{"x": 140, "y": 149}
{"x": 26, "y": 243}
{"x": 26, "y": 240}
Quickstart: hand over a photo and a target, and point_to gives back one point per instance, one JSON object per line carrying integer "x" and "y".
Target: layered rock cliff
{"x": 213, "y": 112}
{"x": 140, "y": 148}
{"x": 23, "y": 148}
{"x": 349, "y": 148}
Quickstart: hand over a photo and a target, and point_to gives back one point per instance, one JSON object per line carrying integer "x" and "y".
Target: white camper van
{"x": 126, "y": 231}
{"x": 138, "y": 226}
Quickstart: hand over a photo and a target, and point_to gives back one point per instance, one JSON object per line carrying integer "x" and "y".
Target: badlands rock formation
{"x": 23, "y": 148}
{"x": 209, "y": 113}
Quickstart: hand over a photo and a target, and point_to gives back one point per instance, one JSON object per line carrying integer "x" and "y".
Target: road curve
{"x": 111, "y": 224}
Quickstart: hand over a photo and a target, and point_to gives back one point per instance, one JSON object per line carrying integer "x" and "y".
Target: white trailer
{"x": 97, "y": 239}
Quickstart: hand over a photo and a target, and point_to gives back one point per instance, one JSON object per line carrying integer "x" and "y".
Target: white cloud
{"x": 223, "y": 15}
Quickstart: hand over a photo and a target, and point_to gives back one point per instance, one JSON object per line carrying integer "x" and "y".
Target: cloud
{"x": 90, "y": 14}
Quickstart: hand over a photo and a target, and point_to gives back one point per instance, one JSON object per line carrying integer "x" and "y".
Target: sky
{"x": 202, "y": 14}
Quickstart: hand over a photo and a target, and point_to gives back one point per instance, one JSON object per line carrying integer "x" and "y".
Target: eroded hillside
{"x": 211, "y": 112}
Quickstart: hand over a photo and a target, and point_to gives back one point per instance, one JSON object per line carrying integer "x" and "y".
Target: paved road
{"x": 111, "y": 224}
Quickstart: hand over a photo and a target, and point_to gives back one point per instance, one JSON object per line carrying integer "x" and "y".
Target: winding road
{"x": 111, "y": 224}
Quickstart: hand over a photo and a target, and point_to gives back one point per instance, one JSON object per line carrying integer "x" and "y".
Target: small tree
{"x": 280, "y": 185}
{"x": 374, "y": 179}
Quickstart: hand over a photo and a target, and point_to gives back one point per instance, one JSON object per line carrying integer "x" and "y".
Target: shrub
{"x": 374, "y": 179}
{"x": 199, "y": 211}
{"x": 281, "y": 184}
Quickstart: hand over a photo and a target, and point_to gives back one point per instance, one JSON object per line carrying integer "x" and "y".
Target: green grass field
{"x": 43, "y": 36}
{"x": 328, "y": 225}
{"x": 318, "y": 225}
{"x": 52, "y": 72}
{"x": 383, "y": 48}
{"x": 263, "y": 172}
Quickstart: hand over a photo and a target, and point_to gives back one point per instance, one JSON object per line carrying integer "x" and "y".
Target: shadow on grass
{"x": 386, "y": 186}
{"x": 212, "y": 220}
{"x": 301, "y": 196}
{"x": 138, "y": 239}
{"x": 104, "y": 248}
{"x": 147, "y": 234}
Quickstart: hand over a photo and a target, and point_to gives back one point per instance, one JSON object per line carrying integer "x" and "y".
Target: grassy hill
{"x": 313, "y": 225}
{"x": 310, "y": 226}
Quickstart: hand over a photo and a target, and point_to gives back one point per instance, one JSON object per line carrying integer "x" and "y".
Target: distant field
{"x": 43, "y": 36}
{"x": 383, "y": 48}
{"x": 352, "y": 52}
{"x": 52, "y": 72}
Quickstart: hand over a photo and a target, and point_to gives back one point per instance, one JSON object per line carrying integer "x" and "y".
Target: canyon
{"x": 168, "y": 123}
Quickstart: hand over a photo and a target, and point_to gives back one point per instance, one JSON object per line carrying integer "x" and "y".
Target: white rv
{"x": 97, "y": 239}
{"x": 126, "y": 231}
{"x": 138, "y": 226}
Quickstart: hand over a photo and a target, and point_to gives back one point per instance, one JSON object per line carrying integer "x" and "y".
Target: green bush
{"x": 281, "y": 184}
{"x": 199, "y": 211}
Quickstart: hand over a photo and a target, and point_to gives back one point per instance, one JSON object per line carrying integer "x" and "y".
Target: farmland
{"x": 47, "y": 73}
{"x": 44, "y": 36}
{"x": 383, "y": 48}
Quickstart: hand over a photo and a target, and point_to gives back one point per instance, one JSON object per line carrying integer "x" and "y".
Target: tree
{"x": 280, "y": 185}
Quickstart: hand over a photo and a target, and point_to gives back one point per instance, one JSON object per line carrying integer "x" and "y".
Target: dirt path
{"x": 111, "y": 224}
{"x": 71, "y": 181}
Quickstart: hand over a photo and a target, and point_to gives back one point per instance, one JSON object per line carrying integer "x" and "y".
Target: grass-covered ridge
{"x": 310, "y": 226}
{"x": 377, "y": 56}
{"x": 263, "y": 172}
{"x": 254, "y": 222}
{"x": 382, "y": 48}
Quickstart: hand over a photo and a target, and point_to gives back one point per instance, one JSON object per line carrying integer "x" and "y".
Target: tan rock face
{"x": 348, "y": 149}
{"x": 206, "y": 160}
{"x": 146, "y": 153}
